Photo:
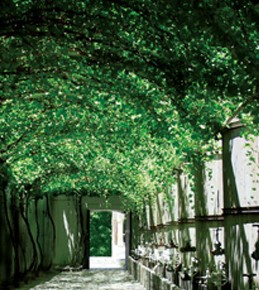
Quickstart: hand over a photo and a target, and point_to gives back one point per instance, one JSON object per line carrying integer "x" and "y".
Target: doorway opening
{"x": 107, "y": 243}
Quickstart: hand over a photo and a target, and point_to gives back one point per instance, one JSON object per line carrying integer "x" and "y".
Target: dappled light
{"x": 70, "y": 236}
{"x": 146, "y": 108}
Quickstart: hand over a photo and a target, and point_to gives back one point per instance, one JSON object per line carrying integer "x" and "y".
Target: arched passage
{"x": 120, "y": 233}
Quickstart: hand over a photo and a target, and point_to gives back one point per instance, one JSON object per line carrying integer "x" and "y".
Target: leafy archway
{"x": 107, "y": 97}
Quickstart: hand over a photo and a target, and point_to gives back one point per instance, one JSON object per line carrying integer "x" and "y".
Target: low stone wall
{"x": 148, "y": 277}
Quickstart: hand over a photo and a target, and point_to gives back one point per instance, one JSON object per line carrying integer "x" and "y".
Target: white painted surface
{"x": 213, "y": 187}
{"x": 242, "y": 172}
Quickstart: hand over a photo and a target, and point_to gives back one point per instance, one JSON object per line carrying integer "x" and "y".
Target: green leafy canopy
{"x": 107, "y": 97}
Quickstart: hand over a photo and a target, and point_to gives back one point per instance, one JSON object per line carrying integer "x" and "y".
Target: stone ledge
{"x": 241, "y": 210}
{"x": 148, "y": 278}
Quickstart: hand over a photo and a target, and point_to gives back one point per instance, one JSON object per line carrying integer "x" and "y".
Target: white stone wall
{"x": 213, "y": 186}
{"x": 241, "y": 171}
{"x": 118, "y": 244}
{"x": 186, "y": 205}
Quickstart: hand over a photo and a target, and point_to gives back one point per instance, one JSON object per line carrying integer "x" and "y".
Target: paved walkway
{"x": 91, "y": 280}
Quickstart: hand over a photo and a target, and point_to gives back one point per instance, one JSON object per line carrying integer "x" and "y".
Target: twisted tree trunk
{"x": 53, "y": 228}
{"x": 38, "y": 234}
{"x": 24, "y": 214}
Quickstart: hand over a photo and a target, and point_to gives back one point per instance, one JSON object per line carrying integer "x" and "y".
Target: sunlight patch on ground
{"x": 92, "y": 280}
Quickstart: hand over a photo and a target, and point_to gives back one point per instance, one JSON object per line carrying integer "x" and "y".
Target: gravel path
{"x": 92, "y": 280}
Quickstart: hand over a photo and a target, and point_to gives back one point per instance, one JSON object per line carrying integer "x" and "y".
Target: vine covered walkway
{"x": 90, "y": 280}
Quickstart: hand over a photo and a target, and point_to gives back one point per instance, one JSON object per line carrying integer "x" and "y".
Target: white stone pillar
{"x": 241, "y": 171}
